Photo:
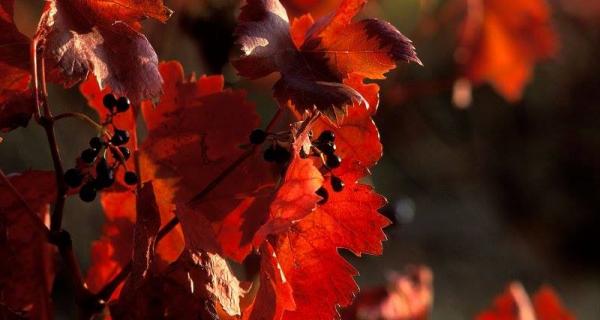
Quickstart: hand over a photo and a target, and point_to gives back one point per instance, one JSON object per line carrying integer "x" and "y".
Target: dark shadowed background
{"x": 483, "y": 195}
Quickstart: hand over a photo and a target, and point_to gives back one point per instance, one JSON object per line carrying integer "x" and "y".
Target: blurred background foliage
{"x": 484, "y": 194}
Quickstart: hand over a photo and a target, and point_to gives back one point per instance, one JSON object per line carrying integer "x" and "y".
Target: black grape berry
{"x": 333, "y": 161}
{"x": 106, "y": 180}
{"x": 96, "y": 143}
{"x": 73, "y": 178}
{"x": 327, "y": 148}
{"x": 322, "y": 192}
{"x": 282, "y": 155}
{"x": 337, "y": 184}
{"x": 123, "y": 104}
{"x": 89, "y": 155}
{"x": 109, "y": 101}
{"x": 105, "y": 175}
{"x": 258, "y": 136}
{"x": 87, "y": 193}
{"x": 131, "y": 178}
{"x": 120, "y": 137}
{"x": 277, "y": 154}
{"x": 125, "y": 152}
{"x": 327, "y": 136}
{"x": 270, "y": 154}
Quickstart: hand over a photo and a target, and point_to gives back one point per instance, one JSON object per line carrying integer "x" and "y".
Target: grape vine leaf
{"x": 194, "y": 280}
{"x": 409, "y": 295}
{"x": 312, "y": 75}
{"x": 548, "y": 305}
{"x": 357, "y": 138}
{"x": 189, "y": 288}
{"x": 27, "y": 269}
{"x": 514, "y": 304}
{"x": 312, "y": 242}
{"x": 187, "y": 148}
{"x": 294, "y": 199}
{"x": 308, "y": 254}
{"x": 16, "y": 100}
{"x": 274, "y": 296}
{"x": 102, "y": 38}
{"x": 147, "y": 224}
{"x": 316, "y": 8}
{"x": 113, "y": 250}
{"x": 501, "y": 43}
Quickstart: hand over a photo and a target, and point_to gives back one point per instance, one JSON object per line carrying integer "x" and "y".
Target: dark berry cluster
{"x": 324, "y": 147}
{"x": 115, "y": 105}
{"x": 274, "y": 153}
{"x": 97, "y": 173}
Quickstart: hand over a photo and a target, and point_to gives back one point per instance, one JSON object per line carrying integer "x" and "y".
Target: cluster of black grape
{"x": 275, "y": 153}
{"x": 95, "y": 155}
{"x": 325, "y": 148}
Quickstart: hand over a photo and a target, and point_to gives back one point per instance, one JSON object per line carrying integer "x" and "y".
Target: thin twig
{"x": 80, "y": 116}
{"x": 57, "y": 235}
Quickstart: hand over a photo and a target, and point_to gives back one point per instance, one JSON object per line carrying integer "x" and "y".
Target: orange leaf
{"x": 357, "y": 137}
{"x": 548, "y": 306}
{"x": 501, "y": 43}
{"x": 295, "y": 198}
{"x": 408, "y": 296}
{"x": 368, "y": 48}
{"x": 187, "y": 148}
{"x": 312, "y": 76}
{"x": 514, "y": 304}
{"x": 113, "y": 250}
{"x": 275, "y": 293}
{"x": 308, "y": 253}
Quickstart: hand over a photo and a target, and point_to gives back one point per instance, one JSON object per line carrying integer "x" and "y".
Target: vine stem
{"x": 80, "y": 116}
{"x": 56, "y": 235}
{"x": 108, "y": 289}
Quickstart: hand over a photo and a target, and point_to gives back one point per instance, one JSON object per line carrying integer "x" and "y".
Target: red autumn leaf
{"x": 186, "y": 145}
{"x": 187, "y": 148}
{"x": 357, "y": 137}
{"x": 26, "y": 272}
{"x": 274, "y": 296}
{"x": 548, "y": 306}
{"x": 316, "y": 8}
{"x": 194, "y": 276}
{"x": 514, "y": 304}
{"x": 147, "y": 224}
{"x": 312, "y": 76}
{"x": 193, "y": 287}
{"x": 16, "y": 100}
{"x": 501, "y": 43}
{"x": 408, "y": 296}
{"x": 100, "y": 37}
{"x": 308, "y": 254}
{"x": 113, "y": 250}
{"x": 295, "y": 198}
{"x": 94, "y": 96}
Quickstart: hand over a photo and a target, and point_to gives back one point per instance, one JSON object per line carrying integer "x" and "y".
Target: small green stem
{"x": 80, "y": 116}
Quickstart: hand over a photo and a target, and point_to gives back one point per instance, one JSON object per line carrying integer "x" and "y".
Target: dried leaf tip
{"x": 401, "y": 48}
